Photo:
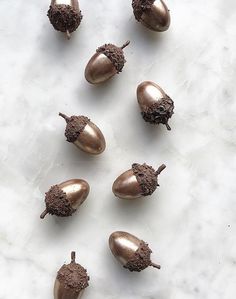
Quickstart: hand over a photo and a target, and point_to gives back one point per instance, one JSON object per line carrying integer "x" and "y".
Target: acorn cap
{"x": 73, "y": 276}
{"x": 115, "y": 54}
{"x": 159, "y": 112}
{"x": 64, "y": 18}
{"x": 57, "y": 203}
{"x": 141, "y": 6}
{"x": 147, "y": 177}
{"x": 75, "y": 126}
{"x": 141, "y": 259}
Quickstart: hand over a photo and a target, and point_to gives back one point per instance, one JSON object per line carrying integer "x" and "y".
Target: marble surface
{"x": 190, "y": 221}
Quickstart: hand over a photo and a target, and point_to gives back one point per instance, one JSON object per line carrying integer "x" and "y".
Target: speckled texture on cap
{"x": 146, "y": 177}
{"x": 159, "y": 112}
{"x": 73, "y": 276}
{"x": 57, "y": 203}
{"x": 64, "y": 17}
{"x": 140, "y": 6}
{"x": 75, "y": 126}
{"x": 115, "y": 54}
{"x": 141, "y": 258}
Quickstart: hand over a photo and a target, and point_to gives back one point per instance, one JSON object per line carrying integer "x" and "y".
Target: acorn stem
{"x": 155, "y": 265}
{"x": 64, "y": 116}
{"x": 125, "y": 45}
{"x": 73, "y": 257}
{"x": 168, "y": 127}
{"x": 160, "y": 169}
{"x": 68, "y": 34}
{"x": 44, "y": 214}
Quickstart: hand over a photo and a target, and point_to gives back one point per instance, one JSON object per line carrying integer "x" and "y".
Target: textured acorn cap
{"x": 64, "y": 18}
{"x": 115, "y": 54}
{"x": 159, "y": 112}
{"x": 141, "y": 6}
{"x": 57, "y": 203}
{"x": 73, "y": 276}
{"x": 147, "y": 177}
{"x": 75, "y": 126}
{"x": 141, "y": 259}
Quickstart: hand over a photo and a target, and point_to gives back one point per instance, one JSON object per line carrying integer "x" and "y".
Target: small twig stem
{"x": 43, "y": 214}
{"x": 125, "y": 45}
{"x": 160, "y": 169}
{"x": 73, "y": 257}
{"x": 155, "y": 265}
{"x": 64, "y": 116}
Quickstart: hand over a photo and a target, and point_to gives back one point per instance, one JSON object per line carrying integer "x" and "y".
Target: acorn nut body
{"x": 105, "y": 63}
{"x": 65, "y": 15}
{"x": 141, "y": 180}
{"x": 84, "y": 134}
{"x": 64, "y": 199}
{"x": 155, "y": 105}
{"x": 133, "y": 253}
{"x": 154, "y": 14}
{"x": 71, "y": 281}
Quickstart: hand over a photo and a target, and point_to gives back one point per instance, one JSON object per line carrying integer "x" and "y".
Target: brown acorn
{"x": 141, "y": 180}
{"x": 154, "y": 14}
{"x": 133, "y": 253}
{"x": 156, "y": 106}
{"x": 71, "y": 280}
{"x": 84, "y": 134}
{"x": 105, "y": 63}
{"x": 64, "y": 199}
{"x": 65, "y": 15}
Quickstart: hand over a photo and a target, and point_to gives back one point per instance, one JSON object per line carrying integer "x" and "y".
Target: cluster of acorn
{"x": 141, "y": 180}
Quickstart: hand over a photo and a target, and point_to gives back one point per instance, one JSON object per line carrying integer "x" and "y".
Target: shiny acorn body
{"x": 99, "y": 69}
{"x": 154, "y": 14}
{"x": 65, "y": 15}
{"x": 84, "y": 134}
{"x": 137, "y": 182}
{"x": 65, "y": 198}
{"x": 71, "y": 281}
{"x": 105, "y": 63}
{"x": 155, "y": 105}
{"x": 130, "y": 251}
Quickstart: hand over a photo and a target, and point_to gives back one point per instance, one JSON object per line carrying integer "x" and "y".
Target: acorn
{"x": 71, "y": 280}
{"x": 105, "y": 63}
{"x": 156, "y": 106}
{"x": 65, "y": 15}
{"x": 141, "y": 180}
{"x": 133, "y": 253}
{"x": 64, "y": 199}
{"x": 84, "y": 134}
{"x": 154, "y": 14}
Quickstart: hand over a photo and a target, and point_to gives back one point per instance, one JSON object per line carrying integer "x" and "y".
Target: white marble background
{"x": 190, "y": 222}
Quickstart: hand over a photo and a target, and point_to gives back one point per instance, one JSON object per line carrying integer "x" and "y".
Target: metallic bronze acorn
{"x": 71, "y": 280}
{"x": 105, "y": 63}
{"x": 154, "y": 14}
{"x": 133, "y": 253}
{"x": 141, "y": 180}
{"x": 156, "y": 106}
{"x": 84, "y": 134}
{"x": 64, "y": 199}
{"x": 65, "y": 15}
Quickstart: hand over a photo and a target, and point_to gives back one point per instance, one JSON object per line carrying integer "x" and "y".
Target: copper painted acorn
{"x": 84, "y": 134}
{"x": 156, "y": 106}
{"x": 65, "y": 15}
{"x": 105, "y": 63}
{"x": 133, "y": 253}
{"x": 154, "y": 14}
{"x": 71, "y": 280}
{"x": 64, "y": 199}
{"x": 139, "y": 181}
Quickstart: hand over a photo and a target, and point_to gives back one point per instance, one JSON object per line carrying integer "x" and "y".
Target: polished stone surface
{"x": 190, "y": 221}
